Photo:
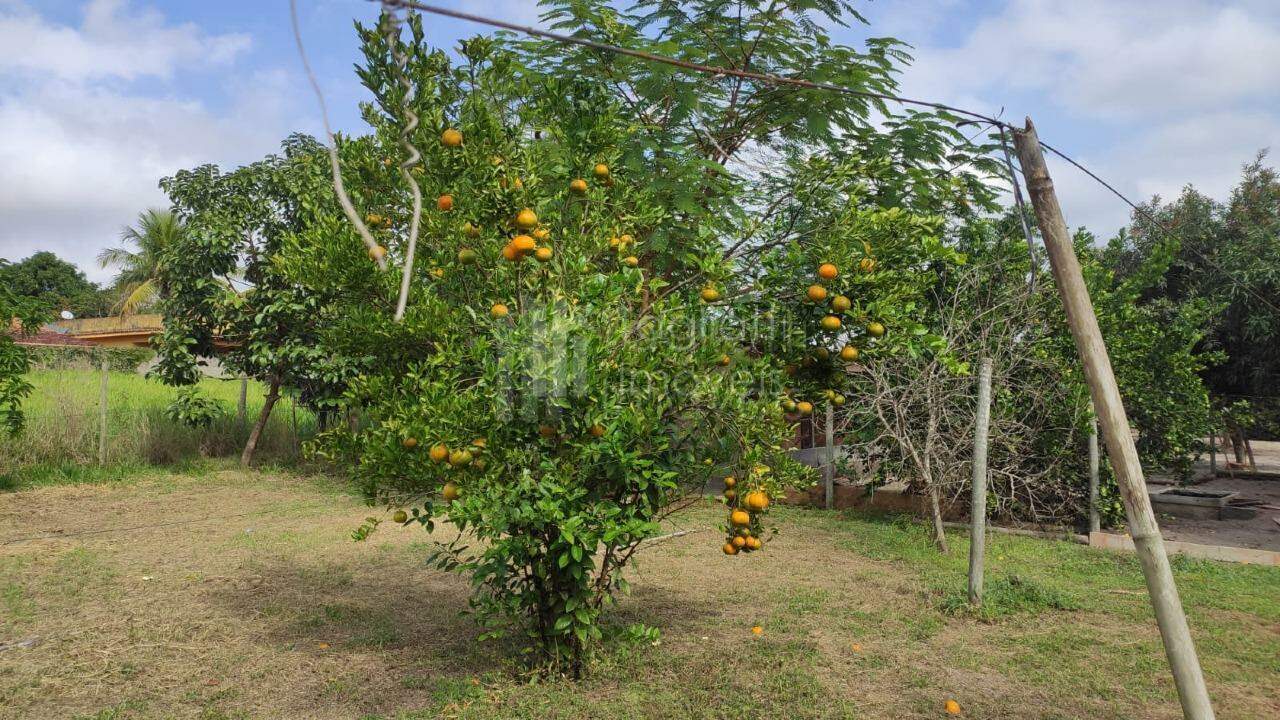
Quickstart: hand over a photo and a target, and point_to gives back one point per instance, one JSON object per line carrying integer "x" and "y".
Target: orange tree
{"x": 21, "y": 315}
{"x": 560, "y": 381}
{"x": 582, "y": 347}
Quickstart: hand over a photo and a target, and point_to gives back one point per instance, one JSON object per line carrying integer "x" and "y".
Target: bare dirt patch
{"x": 239, "y": 595}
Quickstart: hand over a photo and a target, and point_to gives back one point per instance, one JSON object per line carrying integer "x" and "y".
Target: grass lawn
{"x": 275, "y": 613}
{"x": 60, "y": 442}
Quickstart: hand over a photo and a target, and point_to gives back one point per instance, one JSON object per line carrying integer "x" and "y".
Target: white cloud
{"x": 112, "y": 42}
{"x": 1152, "y": 96}
{"x": 81, "y": 152}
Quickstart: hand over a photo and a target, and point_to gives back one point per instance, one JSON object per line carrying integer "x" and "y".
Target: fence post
{"x": 102, "y": 414}
{"x": 1213, "y": 453}
{"x": 1114, "y": 423}
{"x": 1095, "y": 522}
{"x": 242, "y": 405}
{"x": 828, "y": 466}
{"x": 978, "y": 499}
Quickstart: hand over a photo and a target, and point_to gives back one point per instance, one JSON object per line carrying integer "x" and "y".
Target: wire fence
{"x": 66, "y": 423}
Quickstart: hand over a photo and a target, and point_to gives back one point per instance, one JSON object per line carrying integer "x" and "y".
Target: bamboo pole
{"x": 1147, "y": 540}
{"x": 829, "y": 461}
{"x": 102, "y": 414}
{"x": 978, "y": 499}
{"x": 1095, "y": 522}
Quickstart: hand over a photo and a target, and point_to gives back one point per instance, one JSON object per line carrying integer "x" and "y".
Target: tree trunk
{"x": 246, "y": 457}
{"x": 1237, "y": 442}
{"x": 935, "y": 507}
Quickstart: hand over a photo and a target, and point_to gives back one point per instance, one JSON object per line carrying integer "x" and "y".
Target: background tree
{"x": 21, "y": 315}
{"x": 223, "y": 276}
{"x": 1225, "y": 254}
{"x": 54, "y": 283}
{"x": 135, "y": 286}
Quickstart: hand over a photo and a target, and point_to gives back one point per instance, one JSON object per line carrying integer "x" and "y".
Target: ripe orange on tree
{"x": 816, "y": 293}
{"x": 631, "y": 261}
{"x": 509, "y": 252}
{"x": 578, "y": 186}
{"x": 739, "y": 541}
{"x": 543, "y": 254}
{"x": 499, "y": 310}
{"x": 725, "y": 360}
{"x": 709, "y": 294}
{"x": 831, "y": 323}
{"x": 460, "y": 458}
{"x": 827, "y": 271}
{"x": 729, "y": 481}
{"x": 438, "y": 453}
{"x": 596, "y": 430}
{"x": 739, "y": 517}
{"x": 951, "y": 707}
{"x": 601, "y": 171}
{"x": 805, "y": 408}
{"x": 523, "y": 244}
{"x": 753, "y": 543}
{"x": 848, "y": 353}
{"x": 451, "y": 138}
{"x": 444, "y": 203}
{"x": 541, "y": 234}
{"x": 840, "y": 304}
{"x": 450, "y": 492}
{"x": 730, "y": 549}
{"x": 757, "y": 500}
{"x": 526, "y": 219}
{"x": 409, "y": 443}
{"x": 875, "y": 329}
{"x": 377, "y": 252}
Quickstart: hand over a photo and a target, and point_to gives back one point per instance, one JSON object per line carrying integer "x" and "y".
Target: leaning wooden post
{"x": 102, "y": 414}
{"x": 978, "y": 499}
{"x": 829, "y": 459}
{"x": 1095, "y": 522}
{"x": 1178, "y": 645}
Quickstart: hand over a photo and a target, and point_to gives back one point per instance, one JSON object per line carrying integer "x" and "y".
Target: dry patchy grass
{"x": 275, "y": 613}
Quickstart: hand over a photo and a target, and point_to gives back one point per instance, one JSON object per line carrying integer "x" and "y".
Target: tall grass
{"x": 63, "y": 425}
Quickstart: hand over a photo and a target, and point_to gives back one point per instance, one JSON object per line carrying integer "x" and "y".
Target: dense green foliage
{"x": 1225, "y": 256}
{"x": 21, "y": 315}
{"x": 55, "y": 283}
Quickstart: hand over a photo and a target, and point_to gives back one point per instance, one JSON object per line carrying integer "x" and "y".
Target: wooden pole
{"x": 242, "y": 406}
{"x": 978, "y": 499}
{"x": 1179, "y": 648}
{"x": 829, "y": 461}
{"x": 102, "y": 415}
{"x": 1213, "y": 453}
{"x": 1095, "y": 462}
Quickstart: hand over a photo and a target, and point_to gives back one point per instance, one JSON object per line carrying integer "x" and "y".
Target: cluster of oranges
{"x": 745, "y": 515}
{"x": 525, "y": 243}
{"x": 458, "y": 458}
{"x": 837, "y": 306}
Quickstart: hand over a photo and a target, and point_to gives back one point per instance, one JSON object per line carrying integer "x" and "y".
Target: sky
{"x": 99, "y": 99}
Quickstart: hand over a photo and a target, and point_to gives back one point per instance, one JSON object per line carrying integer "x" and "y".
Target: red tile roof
{"x": 49, "y": 337}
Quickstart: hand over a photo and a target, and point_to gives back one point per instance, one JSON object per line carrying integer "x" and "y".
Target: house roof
{"x": 146, "y": 323}
{"x": 46, "y": 337}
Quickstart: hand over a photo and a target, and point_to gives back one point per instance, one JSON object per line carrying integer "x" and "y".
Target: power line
{"x": 798, "y": 82}
{"x": 697, "y": 67}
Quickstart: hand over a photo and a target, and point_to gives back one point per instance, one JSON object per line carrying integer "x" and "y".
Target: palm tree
{"x": 155, "y": 231}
